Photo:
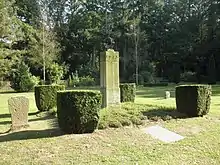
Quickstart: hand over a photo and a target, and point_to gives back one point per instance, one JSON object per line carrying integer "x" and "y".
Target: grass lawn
{"x": 43, "y": 143}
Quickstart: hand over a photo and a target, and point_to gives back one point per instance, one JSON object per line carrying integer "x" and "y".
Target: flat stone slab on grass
{"x": 163, "y": 134}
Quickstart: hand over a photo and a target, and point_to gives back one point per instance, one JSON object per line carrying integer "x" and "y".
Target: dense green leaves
{"x": 193, "y": 100}
{"x": 78, "y": 111}
{"x": 176, "y": 36}
{"x": 46, "y": 96}
{"x": 128, "y": 92}
{"x": 22, "y": 80}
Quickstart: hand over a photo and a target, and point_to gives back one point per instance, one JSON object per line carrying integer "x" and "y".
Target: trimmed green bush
{"x": 128, "y": 92}
{"x": 46, "y": 96}
{"x": 193, "y": 100}
{"x": 155, "y": 85}
{"x": 77, "y": 111}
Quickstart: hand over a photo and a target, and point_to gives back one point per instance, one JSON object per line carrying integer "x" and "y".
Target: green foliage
{"x": 135, "y": 114}
{"x": 22, "y": 80}
{"x": 148, "y": 72}
{"x": 77, "y": 111}
{"x": 174, "y": 74}
{"x": 211, "y": 70}
{"x": 128, "y": 114}
{"x": 46, "y": 96}
{"x": 188, "y": 77}
{"x": 128, "y": 92}
{"x": 132, "y": 78}
{"x": 55, "y": 72}
{"x": 73, "y": 80}
{"x": 86, "y": 81}
{"x": 193, "y": 100}
{"x": 29, "y": 11}
{"x": 43, "y": 49}
{"x": 9, "y": 56}
{"x": 147, "y": 77}
{"x": 7, "y": 18}
{"x": 189, "y": 35}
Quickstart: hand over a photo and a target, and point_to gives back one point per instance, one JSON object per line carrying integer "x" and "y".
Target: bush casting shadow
{"x": 7, "y": 92}
{"x": 164, "y": 113}
{"x": 31, "y": 134}
{"x": 5, "y": 122}
{"x": 38, "y": 118}
{"x": 7, "y": 115}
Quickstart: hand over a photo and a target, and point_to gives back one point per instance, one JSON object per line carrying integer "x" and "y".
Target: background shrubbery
{"x": 22, "y": 80}
{"x": 74, "y": 80}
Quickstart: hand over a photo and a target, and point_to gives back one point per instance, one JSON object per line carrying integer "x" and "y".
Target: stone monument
{"x": 109, "y": 77}
{"x": 18, "y": 107}
{"x": 167, "y": 95}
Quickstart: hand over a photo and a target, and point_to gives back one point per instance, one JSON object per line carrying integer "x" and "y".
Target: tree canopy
{"x": 155, "y": 38}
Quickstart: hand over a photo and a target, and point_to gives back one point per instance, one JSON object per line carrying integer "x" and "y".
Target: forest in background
{"x": 172, "y": 40}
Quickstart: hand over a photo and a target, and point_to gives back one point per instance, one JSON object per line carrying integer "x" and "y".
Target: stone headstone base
{"x": 16, "y": 128}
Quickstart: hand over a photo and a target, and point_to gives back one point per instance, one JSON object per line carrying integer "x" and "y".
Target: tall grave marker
{"x": 109, "y": 77}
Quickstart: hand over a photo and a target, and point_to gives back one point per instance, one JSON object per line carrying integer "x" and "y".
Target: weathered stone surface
{"x": 167, "y": 95}
{"x": 109, "y": 77}
{"x": 18, "y": 107}
{"x": 163, "y": 134}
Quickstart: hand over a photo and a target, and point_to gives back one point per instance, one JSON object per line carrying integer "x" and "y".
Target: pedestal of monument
{"x": 109, "y": 77}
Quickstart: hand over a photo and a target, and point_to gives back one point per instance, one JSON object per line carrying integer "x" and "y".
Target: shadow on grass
{"x": 215, "y": 90}
{"x": 33, "y": 113}
{"x": 43, "y": 117}
{"x": 154, "y": 93}
{"x": 5, "y": 122}
{"x": 164, "y": 113}
{"x": 7, "y": 115}
{"x": 54, "y": 131}
{"x": 6, "y": 92}
{"x": 31, "y": 134}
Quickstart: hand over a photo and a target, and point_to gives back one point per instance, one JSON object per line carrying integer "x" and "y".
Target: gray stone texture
{"x": 19, "y": 107}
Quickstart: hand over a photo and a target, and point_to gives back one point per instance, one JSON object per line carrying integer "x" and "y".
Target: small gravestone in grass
{"x": 18, "y": 107}
{"x": 109, "y": 77}
{"x": 163, "y": 134}
{"x": 167, "y": 95}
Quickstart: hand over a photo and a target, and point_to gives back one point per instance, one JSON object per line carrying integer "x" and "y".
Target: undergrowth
{"x": 128, "y": 114}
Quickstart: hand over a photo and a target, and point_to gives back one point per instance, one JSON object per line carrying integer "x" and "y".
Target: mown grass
{"x": 43, "y": 143}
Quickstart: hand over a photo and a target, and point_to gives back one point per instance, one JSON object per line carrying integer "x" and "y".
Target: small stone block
{"x": 167, "y": 95}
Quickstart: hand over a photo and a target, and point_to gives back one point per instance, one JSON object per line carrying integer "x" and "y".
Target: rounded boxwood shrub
{"x": 46, "y": 96}
{"x": 128, "y": 92}
{"x": 193, "y": 100}
{"x": 77, "y": 111}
